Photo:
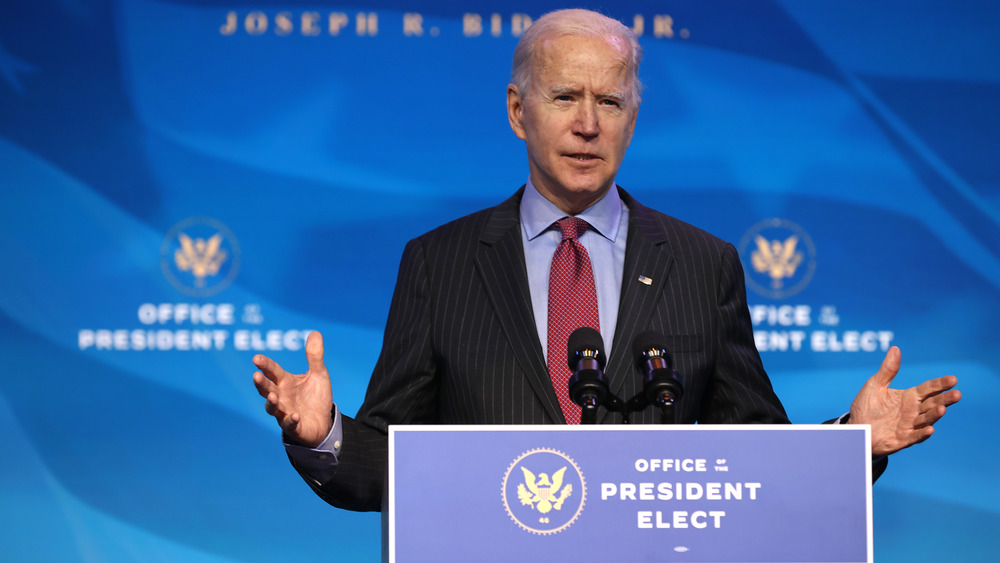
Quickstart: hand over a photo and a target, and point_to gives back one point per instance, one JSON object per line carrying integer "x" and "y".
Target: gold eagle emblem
{"x": 542, "y": 493}
{"x": 777, "y": 259}
{"x": 201, "y": 257}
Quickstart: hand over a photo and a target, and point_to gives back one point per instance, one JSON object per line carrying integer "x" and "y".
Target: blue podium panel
{"x": 641, "y": 493}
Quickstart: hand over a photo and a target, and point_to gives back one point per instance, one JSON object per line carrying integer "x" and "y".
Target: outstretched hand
{"x": 901, "y": 417}
{"x": 301, "y": 403}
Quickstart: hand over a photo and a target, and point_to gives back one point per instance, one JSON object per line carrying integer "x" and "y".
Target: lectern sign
{"x": 640, "y": 493}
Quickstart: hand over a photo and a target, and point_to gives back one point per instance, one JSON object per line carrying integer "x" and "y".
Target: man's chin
{"x": 582, "y": 196}
{"x": 590, "y": 187}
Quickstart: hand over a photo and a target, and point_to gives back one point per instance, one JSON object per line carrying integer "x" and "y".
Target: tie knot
{"x": 572, "y": 227}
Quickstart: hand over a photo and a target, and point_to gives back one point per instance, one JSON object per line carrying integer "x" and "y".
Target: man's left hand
{"x": 901, "y": 417}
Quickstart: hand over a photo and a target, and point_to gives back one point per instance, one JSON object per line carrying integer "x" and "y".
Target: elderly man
{"x": 482, "y": 308}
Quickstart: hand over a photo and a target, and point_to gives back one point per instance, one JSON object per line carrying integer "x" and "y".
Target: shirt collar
{"x": 538, "y": 213}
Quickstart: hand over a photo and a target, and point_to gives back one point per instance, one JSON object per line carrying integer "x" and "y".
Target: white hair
{"x": 579, "y": 23}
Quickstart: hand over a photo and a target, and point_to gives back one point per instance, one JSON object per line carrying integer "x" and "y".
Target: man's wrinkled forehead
{"x": 551, "y": 54}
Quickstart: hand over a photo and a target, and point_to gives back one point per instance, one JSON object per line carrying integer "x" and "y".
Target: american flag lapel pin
{"x": 645, "y": 280}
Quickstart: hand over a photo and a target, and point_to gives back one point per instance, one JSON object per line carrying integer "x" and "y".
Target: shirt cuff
{"x": 844, "y": 419}
{"x": 319, "y": 463}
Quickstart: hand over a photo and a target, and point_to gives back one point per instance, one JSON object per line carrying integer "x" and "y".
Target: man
{"x": 472, "y": 323}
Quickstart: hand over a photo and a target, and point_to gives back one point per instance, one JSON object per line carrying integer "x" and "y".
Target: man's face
{"x": 577, "y": 120}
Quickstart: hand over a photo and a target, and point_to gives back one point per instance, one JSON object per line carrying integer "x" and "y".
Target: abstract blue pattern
{"x": 131, "y": 428}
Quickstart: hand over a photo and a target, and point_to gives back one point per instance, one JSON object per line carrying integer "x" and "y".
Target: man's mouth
{"x": 582, "y": 156}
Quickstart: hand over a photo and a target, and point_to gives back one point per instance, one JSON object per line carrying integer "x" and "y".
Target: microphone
{"x": 588, "y": 387}
{"x": 662, "y": 385}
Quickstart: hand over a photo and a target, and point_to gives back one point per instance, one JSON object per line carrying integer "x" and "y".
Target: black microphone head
{"x": 650, "y": 344}
{"x": 584, "y": 341}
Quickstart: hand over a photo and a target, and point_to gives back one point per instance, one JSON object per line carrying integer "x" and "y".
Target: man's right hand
{"x": 301, "y": 403}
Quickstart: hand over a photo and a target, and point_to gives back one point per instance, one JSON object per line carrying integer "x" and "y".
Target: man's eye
{"x": 564, "y": 97}
{"x": 612, "y": 103}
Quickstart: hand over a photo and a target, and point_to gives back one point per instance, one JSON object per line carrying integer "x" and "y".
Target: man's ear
{"x": 515, "y": 111}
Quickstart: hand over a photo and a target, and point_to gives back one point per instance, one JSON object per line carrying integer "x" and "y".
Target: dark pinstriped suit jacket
{"x": 461, "y": 346}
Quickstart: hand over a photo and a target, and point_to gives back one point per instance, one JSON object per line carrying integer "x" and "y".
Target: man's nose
{"x": 585, "y": 123}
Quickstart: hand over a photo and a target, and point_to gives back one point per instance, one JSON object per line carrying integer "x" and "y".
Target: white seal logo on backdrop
{"x": 200, "y": 256}
{"x": 782, "y": 258}
{"x": 544, "y": 491}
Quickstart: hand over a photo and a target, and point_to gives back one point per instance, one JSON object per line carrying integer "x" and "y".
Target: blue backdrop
{"x": 186, "y": 183}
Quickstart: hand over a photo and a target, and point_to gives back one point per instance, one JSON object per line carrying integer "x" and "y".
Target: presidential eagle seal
{"x": 200, "y": 256}
{"x": 544, "y": 491}
{"x": 782, "y": 258}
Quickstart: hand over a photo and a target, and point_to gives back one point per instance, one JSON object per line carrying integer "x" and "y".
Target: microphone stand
{"x": 665, "y": 404}
{"x": 588, "y": 410}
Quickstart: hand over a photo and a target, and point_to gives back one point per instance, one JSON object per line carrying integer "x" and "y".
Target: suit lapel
{"x": 500, "y": 260}
{"x": 647, "y": 266}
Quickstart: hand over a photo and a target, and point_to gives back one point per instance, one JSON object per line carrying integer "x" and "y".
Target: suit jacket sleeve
{"x": 402, "y": 390}
{"x": 740, "y": 391}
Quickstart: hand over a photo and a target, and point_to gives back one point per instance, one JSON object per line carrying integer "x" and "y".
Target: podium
{"x": 728, "y": 493}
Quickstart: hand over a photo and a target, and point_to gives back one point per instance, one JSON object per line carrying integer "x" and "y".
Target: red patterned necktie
{"x": 572, "y": 304}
